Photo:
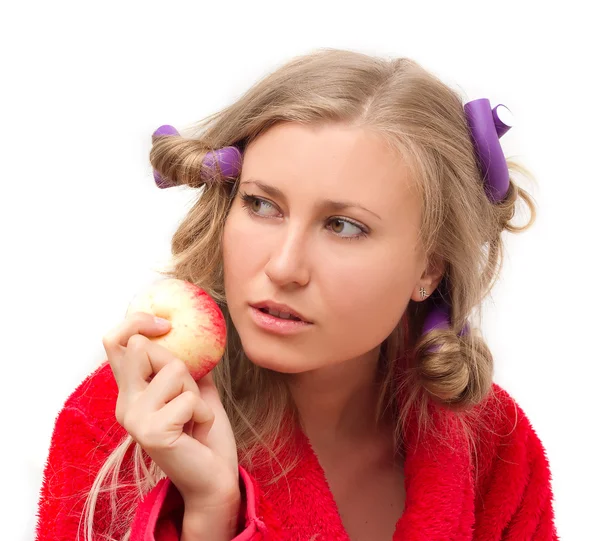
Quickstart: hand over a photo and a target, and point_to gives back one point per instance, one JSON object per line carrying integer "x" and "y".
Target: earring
{"x": 423, "y": 293}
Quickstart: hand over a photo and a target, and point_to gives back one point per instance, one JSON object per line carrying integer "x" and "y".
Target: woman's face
{"x": 350, "y": 271}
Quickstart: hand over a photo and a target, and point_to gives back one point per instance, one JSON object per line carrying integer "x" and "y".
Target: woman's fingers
{"x": 143, "y": 359}
{"x": 185, "y": 407}
{"x": 116, "y": 340}
{"x": 171, "y": 380}
{"x": 209, "y": 391}
{"x": 163, "y": 428}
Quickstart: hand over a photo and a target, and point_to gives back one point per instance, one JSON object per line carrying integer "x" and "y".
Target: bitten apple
{"x": 198, "y": 330}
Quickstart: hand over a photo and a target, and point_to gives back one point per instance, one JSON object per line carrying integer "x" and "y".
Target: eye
{"x": 339, "y": 223}
{"x": 252, "y": 205}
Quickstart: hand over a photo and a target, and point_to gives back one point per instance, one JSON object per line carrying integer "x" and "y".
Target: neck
{"x": 338, "y": 404}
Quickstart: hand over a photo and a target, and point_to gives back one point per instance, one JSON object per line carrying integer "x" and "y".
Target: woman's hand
{"x": 179, "y": 422}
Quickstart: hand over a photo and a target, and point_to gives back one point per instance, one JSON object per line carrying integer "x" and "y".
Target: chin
{"x": 280, "y": 354}
{"x": 278, "y": 358}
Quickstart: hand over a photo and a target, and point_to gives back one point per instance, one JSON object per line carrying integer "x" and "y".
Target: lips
{"x": 279, "y": 308}
{"x": 280, "y": 315}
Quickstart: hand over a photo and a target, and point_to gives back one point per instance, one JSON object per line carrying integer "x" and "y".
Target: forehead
{"x": 331, "y": 161}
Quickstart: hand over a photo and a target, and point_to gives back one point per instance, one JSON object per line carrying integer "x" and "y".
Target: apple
{"x": 198, "y": 330}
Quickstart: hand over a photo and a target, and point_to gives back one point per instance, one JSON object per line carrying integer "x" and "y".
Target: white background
{"x": 84, "y": 84}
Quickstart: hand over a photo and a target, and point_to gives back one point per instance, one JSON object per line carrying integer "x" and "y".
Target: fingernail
{"x": 162, "y": 322}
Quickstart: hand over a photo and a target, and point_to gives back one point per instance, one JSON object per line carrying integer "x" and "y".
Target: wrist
{"x": 217, "y": 521}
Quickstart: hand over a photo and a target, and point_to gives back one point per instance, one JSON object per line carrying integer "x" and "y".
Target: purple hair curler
{"x": 439, "y": 318}
{"x": 486, "y": 126}
{"x": 227, "y": 160}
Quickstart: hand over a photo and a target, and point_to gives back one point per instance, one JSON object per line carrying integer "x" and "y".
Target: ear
{"x": 430, "y": 278}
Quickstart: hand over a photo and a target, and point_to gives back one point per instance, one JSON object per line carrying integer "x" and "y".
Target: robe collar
{"x": 439, "y": 487}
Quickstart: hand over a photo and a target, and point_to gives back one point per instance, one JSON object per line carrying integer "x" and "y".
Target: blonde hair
{"x": 423, "y": 119}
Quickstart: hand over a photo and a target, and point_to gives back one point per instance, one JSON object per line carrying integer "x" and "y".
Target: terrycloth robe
{"x": 509, "y": 499}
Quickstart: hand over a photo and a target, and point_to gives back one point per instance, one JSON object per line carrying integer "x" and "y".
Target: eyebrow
{"x": 330, "y": 203}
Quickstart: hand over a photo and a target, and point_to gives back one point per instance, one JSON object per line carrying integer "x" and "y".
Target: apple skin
{"x": 198, "y": 329}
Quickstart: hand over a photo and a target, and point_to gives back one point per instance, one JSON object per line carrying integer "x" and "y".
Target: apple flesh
{"x": 198, "y": 330}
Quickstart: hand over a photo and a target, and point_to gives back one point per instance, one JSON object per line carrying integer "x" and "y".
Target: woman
{"x": 367, "y": 205}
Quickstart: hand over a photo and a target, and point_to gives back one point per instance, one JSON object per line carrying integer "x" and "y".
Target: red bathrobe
{"x": 510, "y": 499}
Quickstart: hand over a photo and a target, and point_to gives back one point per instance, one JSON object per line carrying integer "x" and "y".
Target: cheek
{"x": 243, "y": 253}
{"x": 232, "y": 254}
{"x": 370, "y": 299}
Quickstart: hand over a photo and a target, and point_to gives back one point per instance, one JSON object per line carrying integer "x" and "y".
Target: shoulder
{"x": 513, "y": 484}
{"x": 96, "y": 388}
{"x": 94, "y": 400}
{"x": 84, "y": 436}
{"x": 86, "y": 431}
{"x": 507, "y": 445}
{"x": 500, "y": 417}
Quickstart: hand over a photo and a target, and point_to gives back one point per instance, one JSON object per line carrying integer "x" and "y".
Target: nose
{"x": 288, "y": 263}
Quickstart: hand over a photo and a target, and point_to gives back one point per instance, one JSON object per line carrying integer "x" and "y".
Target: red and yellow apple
{"x": 198, "y": 330}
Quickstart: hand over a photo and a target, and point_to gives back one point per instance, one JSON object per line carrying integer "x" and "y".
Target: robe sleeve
{"x": 160, "y": 515}
{"x": 78, "y": 449}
